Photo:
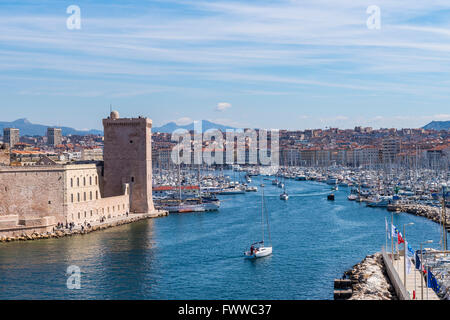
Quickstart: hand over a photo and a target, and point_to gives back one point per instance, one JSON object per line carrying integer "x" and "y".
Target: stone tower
{"x": 128, "y": 159}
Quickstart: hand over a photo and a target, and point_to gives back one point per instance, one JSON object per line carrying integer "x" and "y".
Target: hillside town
{"x": 361, "y": 146}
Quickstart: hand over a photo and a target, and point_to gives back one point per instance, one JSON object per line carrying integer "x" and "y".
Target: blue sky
{"x": 274, "y": 64}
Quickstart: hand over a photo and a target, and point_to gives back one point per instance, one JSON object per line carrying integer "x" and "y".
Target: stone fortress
{"x": 36, "y": 198}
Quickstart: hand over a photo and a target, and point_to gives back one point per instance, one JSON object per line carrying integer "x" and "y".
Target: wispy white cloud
{"x": 264, "y": 48}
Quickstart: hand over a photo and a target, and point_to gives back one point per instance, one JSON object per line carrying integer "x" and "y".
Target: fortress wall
{"x": 32, "y": 192}
{"x": 93, "y": 211}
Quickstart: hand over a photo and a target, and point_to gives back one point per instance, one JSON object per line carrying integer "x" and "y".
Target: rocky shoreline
{"x": 370, "y": 280}
{"x": 66, "y": 232}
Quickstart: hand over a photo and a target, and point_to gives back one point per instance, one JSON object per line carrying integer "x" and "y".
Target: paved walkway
{"x": 108, "y": 221}
{"x": 414, "y": 281}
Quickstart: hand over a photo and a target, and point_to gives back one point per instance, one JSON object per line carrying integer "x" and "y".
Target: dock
{"x": 414, "y": 281}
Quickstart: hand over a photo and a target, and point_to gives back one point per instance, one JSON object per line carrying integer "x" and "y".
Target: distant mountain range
{"x": 26, "y": 128}
{"x": 30, "y": 129}
{"x": 438, "y": 125}
{"x": 206, "y": 125}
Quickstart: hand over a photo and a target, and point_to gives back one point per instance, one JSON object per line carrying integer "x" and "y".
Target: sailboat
{"x": 257, "y": 249}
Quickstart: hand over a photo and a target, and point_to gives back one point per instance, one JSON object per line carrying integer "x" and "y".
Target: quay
{"x": 414, "y": 280}
{"x": 80, "y": 229}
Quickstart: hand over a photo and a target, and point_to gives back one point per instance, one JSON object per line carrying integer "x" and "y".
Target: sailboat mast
{"x": 199, "y": 184}
{"x": 262, "y": 212}
{"x": 179, "y": 175}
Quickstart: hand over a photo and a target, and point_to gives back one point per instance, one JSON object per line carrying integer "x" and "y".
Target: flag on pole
{"x": 432, "y": 282}
{"x": 400, "y": 238}
{"x": 418, "y": 262}
{"x": 410, "y": 250}
{"x": 393, "y": 231}
{"x": 408, "y": 265}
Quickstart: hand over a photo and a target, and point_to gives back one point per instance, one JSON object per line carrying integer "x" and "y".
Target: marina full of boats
{"x": 376, "y": 188}
{"x": 421, "y": 191}
{"x": 187, "y": 191}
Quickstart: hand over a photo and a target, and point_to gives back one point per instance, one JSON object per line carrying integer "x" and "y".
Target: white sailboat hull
{"x": 259, "y": 253}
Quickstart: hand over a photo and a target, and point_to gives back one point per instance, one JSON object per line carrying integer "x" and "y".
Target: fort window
{"x": 91, "y": 213}
{"x": 132, "y": 179}
{"x": 84, "y": 181}
{"x": 78, "y": 182}
{"x": 85, "y": 214}
{"x": 78, "y": 196}
{"x": 79, "y": 215}
{"x": 90, "y": 195}
{"x": 96, "y": 194}
{"x": 131, "y": 141}
{"x": 84, "y": 196}
{"x": 71, "y": 182}
{"x": 96, "y": 180}
{"x": 71, "y": 197}
{"x": 90, "y": 181}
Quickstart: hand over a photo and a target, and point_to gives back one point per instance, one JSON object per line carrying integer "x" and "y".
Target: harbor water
{"x": 200, "y": 255}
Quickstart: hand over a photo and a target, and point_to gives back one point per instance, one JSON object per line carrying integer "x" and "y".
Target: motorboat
{"x": 284, "y": 196}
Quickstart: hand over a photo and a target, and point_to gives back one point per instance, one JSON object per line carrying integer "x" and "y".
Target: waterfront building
{"x": 11, "y": 136}
{"x": 366, "y": 155}
{"x": 54, "y": 136}
{"x": 390, "y": 149}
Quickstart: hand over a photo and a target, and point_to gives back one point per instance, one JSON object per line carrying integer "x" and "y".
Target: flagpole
{"x": 422, "y": 278}
{"x": 385, "y": 220}
{"x": 392, "y": 238}
{"x": 405, "y": 254}
{"x": 421, "y": 273}
{"x": 415, "y": 274}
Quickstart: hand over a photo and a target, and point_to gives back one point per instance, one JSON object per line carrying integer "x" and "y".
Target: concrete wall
{"x": 400, "y": 290}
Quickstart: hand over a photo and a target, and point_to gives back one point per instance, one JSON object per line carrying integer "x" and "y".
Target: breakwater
{"x": 429, "y": 212}
{"x": 370, "y": 280}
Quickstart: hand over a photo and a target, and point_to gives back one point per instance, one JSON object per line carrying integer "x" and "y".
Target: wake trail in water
{"x": 302, "y": 194}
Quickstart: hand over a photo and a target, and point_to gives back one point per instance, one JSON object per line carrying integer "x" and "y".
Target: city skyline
{"x": 284, "y": 64}
{"x": 174, "y": 125}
